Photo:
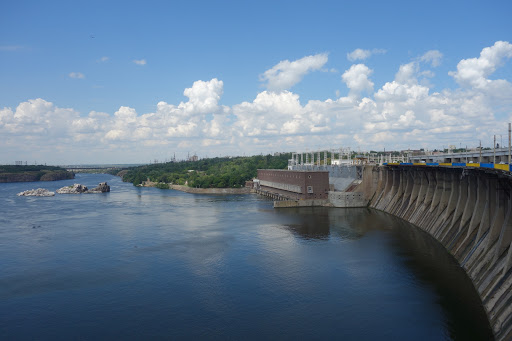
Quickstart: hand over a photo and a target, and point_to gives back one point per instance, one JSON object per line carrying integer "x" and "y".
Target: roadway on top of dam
{"x": 501, "y": 169}
{"x": 487, "y": 156}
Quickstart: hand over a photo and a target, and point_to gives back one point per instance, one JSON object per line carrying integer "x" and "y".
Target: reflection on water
{"x": 144, "y": 263}
{"x": 420, "y": 252}
{"x": 324, "y": 222}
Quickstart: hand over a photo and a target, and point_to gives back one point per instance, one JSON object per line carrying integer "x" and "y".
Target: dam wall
{"x": 469, "y": 211}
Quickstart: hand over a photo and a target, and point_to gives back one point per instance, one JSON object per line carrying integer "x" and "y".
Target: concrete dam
{"x": 468, "y": 210}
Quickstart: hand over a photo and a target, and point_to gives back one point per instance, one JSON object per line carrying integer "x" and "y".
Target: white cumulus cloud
{"x": 433, "y": 57}
{"x": 286, "y": 74}
{"x": 76, "y": 75}
{"x": 36, "y": 117}
{"x": 402, "y": 113}
{"x": 140, "y": 61}
{"x": 407, "y": 73}
{"x": 360, "y": 54}
{"x": 203, "y": 97}
{"x": 357, "y": 79}
{"x": 474, "y": 72}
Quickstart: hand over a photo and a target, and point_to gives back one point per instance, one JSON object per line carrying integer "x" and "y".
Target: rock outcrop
{"x": 101, "y": 188}
{"x": 40, "y": 192}
{"x": 75, "y": 189}
{"x": 78, "y": 188}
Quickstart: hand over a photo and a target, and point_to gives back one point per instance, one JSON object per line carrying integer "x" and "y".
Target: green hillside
{"x": 207, "y": 173}
{"x": 10, "y": 173}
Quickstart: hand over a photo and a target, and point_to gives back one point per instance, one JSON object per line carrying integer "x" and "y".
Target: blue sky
{"x": 106, "y": 81}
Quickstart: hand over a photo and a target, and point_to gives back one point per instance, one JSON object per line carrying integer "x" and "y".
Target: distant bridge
{"x": 77, "y": 169}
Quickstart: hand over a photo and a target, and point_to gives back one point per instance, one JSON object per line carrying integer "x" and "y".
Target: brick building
{"x": 294, "y": 184}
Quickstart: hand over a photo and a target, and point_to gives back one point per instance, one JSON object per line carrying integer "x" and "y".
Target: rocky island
{"x": 102, "y": 187}
{"x": 40, "y": 192}
{"x": 78, "y": 189}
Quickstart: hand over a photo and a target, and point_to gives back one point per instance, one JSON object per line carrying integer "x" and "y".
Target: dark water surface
{"x": 144, "y": 263}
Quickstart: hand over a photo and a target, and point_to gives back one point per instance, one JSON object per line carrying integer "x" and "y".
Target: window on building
{"x": 310, "y": 189}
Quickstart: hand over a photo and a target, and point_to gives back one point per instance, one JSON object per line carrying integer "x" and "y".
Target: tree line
{"x": 20, "y": 173}
{"x": 28, "y": 168}
{"x": 207, "y": 173}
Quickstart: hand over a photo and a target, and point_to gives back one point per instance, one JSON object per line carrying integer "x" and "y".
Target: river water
{"x": 144, "y": 263}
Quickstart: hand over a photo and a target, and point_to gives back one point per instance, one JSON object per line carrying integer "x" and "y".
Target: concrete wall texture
{"x": 469, "y": 211}
{"x": 339, "y": 176}
{"x": 347, "y": 199}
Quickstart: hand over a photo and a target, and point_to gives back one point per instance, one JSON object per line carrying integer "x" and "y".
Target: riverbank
{"x": 242, "y": 190}
{"x": 35, "y": 175}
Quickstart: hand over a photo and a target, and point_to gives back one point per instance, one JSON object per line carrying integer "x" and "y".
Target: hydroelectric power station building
{"x": 294, "y": 185}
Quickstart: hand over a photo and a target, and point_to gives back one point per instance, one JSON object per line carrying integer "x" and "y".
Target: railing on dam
{"x": 504, "y": 167}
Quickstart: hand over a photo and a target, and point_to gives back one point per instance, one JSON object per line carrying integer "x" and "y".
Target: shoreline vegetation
{"x": 193, "y": 190}
{"x": 206, "y": 176}
{"x": 9, "y": 173}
